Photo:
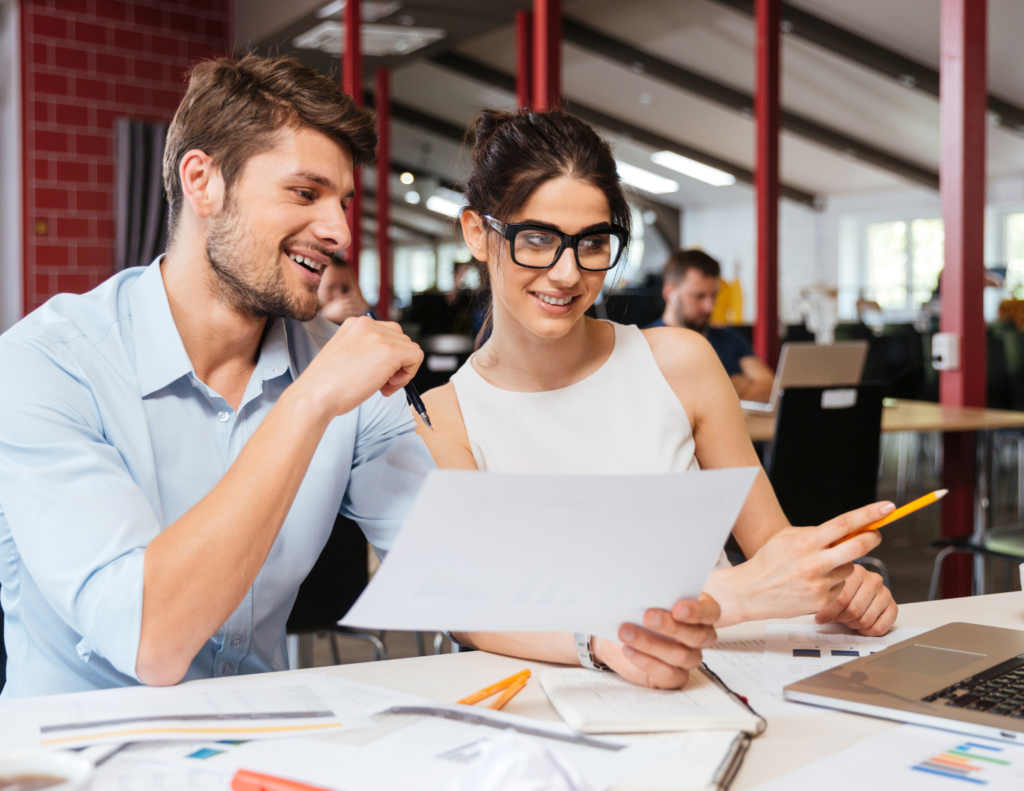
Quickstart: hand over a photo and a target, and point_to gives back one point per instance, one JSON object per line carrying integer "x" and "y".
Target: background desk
{"x": 789, "y": 743}
{"x": 924, "y": 416}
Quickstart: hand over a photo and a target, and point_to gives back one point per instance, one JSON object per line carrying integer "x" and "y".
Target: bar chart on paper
{"x": 975, "y": 763}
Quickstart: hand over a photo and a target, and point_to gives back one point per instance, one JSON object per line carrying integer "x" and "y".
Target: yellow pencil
{"x": 899, "y": 513}
{"x": 509, "y": 693}
{"x": 493, "y": 689}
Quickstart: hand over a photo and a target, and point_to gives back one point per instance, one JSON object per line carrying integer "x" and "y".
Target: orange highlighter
{"x": 244, "y": 780}
{"x": 899, "y": 513}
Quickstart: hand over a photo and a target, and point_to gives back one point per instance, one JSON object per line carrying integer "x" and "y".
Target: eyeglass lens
{"x": 540, "y": 249}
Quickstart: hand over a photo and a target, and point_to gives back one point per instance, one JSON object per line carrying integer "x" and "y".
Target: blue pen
{"x": 412, "y": 395}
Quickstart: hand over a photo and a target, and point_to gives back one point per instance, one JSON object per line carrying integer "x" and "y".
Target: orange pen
{"x": 244, "y": 780}
{"x": 509, "y": 693}
{"x": 494, "y": 689}
{"x": 899, "y": 513}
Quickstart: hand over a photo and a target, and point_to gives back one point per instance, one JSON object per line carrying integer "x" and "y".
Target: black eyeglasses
{"x": 539, "y": 247}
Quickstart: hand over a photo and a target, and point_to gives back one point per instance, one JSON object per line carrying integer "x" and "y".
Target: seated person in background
{"x": 691, "y": 283}
{"x": 553, "y": 391}
{"x": 339, "y": 295}
{"x": 175, "y": 444}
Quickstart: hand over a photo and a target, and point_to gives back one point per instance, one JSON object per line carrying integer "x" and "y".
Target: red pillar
{"x": 547, "y": 54}
{"x": 352, "y": 84}
{"x": 524, "y": 58}
{"x": 768, "y": 16}
{"x": 382, "y": 92}
{"x": 962, "y": 106}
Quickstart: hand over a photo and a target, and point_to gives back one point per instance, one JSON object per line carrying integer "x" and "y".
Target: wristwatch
{"x": 586, "y": 653}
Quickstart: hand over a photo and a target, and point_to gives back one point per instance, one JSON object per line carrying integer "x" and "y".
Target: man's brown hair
{"x": 682, "y": 261}
{"x": 234, "y": 110}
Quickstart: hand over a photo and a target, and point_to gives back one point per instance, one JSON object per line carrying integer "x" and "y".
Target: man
{"x": 175, "y": 444}
{"x": 691, "y": 282}
{"x": 339, "y": 295}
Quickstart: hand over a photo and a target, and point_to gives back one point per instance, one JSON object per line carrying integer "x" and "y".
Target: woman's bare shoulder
{"x": 448, "y": 442}
{"x": 676, "y": 347}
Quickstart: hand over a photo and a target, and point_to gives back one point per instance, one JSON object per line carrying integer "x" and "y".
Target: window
{"x": 1014, "y": 241}
{"x": 903, "y": 261}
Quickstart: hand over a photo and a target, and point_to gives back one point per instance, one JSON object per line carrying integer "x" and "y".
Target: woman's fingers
{"x": 665, "y": 649}
{"x": 660, "y": 675}
{"x": 844, "y": 524}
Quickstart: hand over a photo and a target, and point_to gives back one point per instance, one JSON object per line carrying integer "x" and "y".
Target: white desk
{"x": 789, "y": 743}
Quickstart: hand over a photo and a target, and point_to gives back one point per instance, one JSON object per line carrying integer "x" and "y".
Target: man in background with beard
{"x": 175, "y": 445}
{"x": 691, "y": 282}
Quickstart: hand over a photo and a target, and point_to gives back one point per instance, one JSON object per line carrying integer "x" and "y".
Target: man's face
{"x": 337, "y": 281}
{"x": 693, "y": 299}
{"x": 279, "y": 225}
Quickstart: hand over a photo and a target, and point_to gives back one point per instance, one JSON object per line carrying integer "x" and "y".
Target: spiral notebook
{"x": 595, "y": 702}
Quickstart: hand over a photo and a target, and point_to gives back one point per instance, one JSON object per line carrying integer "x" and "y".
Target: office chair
{"x": 331, "y": 588}
{"x": 823, "y": 460}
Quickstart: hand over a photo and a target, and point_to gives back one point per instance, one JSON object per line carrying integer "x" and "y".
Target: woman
{"x": 554, "y": 391}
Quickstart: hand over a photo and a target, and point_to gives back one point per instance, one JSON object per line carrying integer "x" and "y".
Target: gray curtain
{"x": 141, "y": 219}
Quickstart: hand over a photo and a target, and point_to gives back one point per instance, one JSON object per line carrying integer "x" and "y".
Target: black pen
{"x": 412, "y": 395}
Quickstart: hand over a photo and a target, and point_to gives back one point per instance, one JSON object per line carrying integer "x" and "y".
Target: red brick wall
{"x": 84, "y": 64}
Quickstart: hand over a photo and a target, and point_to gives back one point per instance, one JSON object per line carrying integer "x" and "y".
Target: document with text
{"x": 585, "y": 553}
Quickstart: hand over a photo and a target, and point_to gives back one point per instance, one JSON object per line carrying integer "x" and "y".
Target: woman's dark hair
{"x": 515, "y": 153}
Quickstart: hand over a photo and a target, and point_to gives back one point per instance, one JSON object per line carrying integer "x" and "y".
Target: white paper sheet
{"x": 510, "y": 552}
{"x": 739, "y": 662}
{"x": 254, "y": 707}
{"x": 910, "y": 758}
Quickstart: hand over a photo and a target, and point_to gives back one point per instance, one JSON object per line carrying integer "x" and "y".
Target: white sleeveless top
{"x": 622, "y": 419}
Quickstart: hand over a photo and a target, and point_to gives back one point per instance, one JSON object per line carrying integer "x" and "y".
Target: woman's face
{"x": 546, "y": 302}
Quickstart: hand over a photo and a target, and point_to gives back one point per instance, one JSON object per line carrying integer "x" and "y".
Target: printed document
{"x": 571, "y": 553}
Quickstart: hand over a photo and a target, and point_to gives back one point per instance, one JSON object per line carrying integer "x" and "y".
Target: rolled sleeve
{"x": 389, "y": 464}
{"x": 79, "y": 520}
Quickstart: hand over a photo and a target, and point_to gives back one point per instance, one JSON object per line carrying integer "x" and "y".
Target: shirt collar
{"x": 275, "y": 352}
{"x": 160, "y": 356}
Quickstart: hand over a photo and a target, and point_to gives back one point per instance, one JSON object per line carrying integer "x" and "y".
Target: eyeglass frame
{"x": 509, "y": 231}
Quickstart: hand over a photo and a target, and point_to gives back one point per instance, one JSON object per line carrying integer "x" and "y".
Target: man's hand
{"x": 662, "y": 653}
{"x": 864, "y": 604}
{"x": 796, "y": 572}
{"x": 364, "y": 356}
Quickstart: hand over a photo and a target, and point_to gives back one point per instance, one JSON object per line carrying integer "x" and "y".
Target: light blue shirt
{"x": 107, "y": 436}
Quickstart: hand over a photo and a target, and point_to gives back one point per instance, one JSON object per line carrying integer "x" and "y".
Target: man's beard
{"x": 254, "y": 290}
{"x": 682, "y": 321}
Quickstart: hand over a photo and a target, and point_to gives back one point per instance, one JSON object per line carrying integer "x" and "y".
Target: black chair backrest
{"x": 823, "y": 460}
{"x": 335, "y": 581}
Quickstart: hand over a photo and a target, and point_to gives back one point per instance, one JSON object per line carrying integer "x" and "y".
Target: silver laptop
{"x": 960, "y": 677}
{"x": 807, "y": 364}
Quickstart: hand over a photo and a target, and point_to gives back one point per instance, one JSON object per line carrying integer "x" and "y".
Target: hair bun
{"x": 484, "y": 127}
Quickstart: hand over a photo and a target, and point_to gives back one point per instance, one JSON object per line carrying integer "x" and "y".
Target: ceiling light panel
{"x": 645, "y": 180}
{"x": 378, "y": 40}
{"x": 443, "y": 206}
{"x": 693, "y": 169}
{"x": 370, "y": 11}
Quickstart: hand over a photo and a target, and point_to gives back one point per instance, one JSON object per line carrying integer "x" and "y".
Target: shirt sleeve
{"x": 79, "y": 521}
{"x": 389, "y": 464}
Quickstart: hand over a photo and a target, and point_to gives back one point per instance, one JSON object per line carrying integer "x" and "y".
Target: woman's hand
{"x": 864, "y": 604}
{"x": 662, "y": 653}
{"x": 797, "y": 572}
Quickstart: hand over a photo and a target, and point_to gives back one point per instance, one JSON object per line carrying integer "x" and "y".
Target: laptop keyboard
{"x": 998, "y": 690}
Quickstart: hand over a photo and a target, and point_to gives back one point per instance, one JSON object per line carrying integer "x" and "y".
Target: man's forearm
{"x": 198, "y": 570}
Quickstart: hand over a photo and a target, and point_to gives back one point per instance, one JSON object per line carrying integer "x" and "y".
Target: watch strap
{"x": 585, "y": 652}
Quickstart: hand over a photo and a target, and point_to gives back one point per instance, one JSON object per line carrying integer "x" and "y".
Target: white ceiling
{"x": 709, "y": 38}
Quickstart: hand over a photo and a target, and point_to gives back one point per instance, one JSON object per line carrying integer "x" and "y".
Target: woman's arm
{"x": 787, "y": 573}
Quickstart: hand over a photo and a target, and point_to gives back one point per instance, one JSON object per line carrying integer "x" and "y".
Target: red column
{"x": 962, "y": 106}
{"x": 524, "y": 58}
{"x": 382, "y": 92}
{"x": 768, "y": 16}
{"x": 547, "y": 54}
{"x": 352, "y": 84}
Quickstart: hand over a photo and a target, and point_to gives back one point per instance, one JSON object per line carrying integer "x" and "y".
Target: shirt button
{"x": 223, "y": 417}
{"x": 237, "y": 641}
{"x": 227, "y": 670}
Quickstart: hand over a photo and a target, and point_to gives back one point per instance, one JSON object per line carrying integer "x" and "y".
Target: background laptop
{"x": 960, "y": 677}
{"x": 807, "y": 364}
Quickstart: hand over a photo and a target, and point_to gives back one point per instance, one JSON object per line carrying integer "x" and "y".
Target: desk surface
{"x": 915, "y": 416}
{"x": 789, "y": 743}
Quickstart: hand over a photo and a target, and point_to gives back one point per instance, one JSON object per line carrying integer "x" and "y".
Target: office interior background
{"x": 88, "y": 86}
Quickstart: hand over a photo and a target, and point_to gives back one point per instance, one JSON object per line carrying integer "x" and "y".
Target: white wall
{"x": 10, "y": 166}
{"x": 823, "y": 248}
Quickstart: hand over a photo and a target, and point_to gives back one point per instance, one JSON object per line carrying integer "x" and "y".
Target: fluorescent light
{"x": 407, "y": 178}
{"x": 370, "y": 11}
{"x": 645, "y": 180}
{"x": 378, "y": 40}
{"x": 693, "y": 169}
{"x": 412, "y": 196}
{"x": 443, "y": 206}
